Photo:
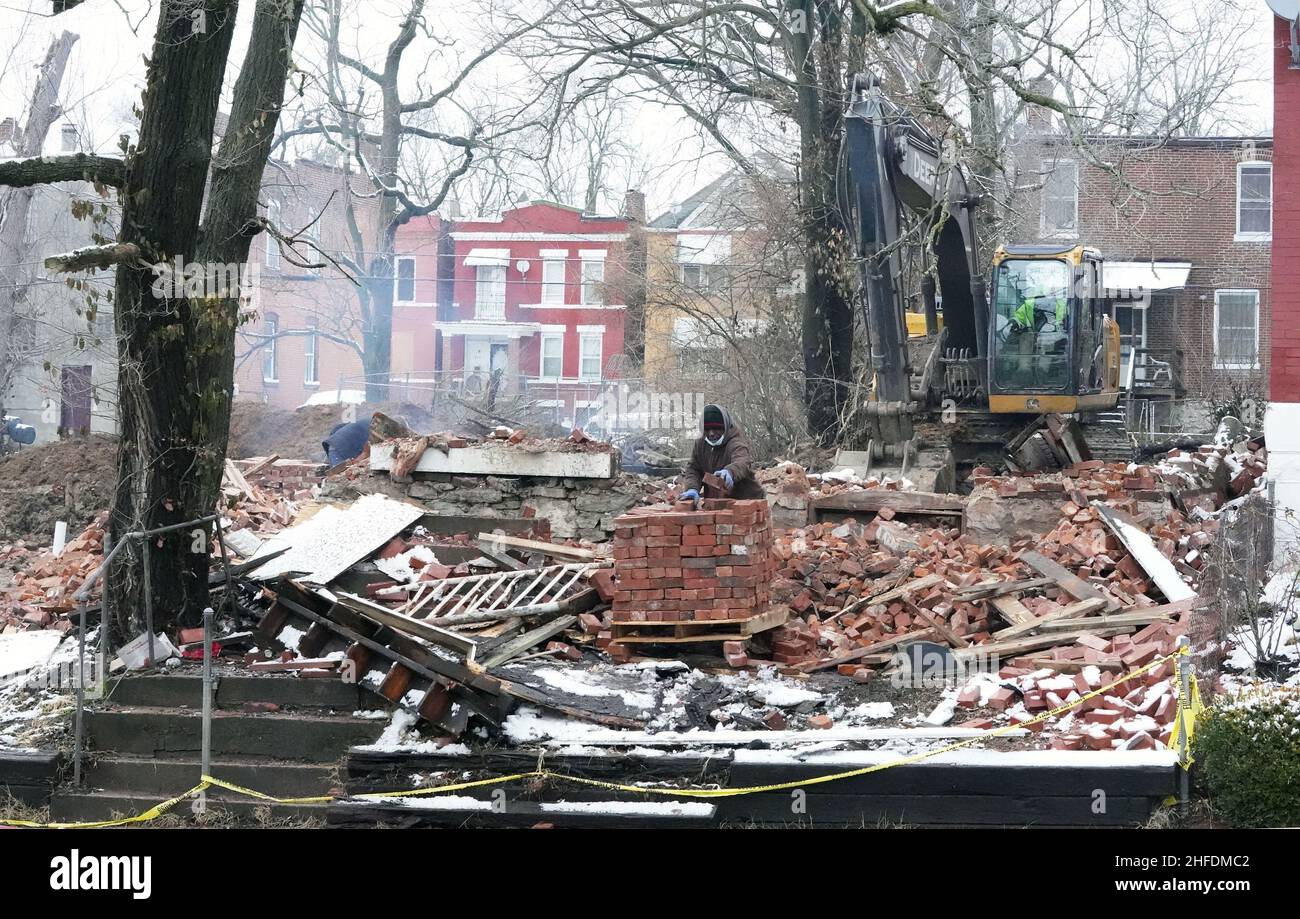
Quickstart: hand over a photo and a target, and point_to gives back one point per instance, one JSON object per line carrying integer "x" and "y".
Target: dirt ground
{"x": 68, "y": 480}
{"x": 260, "y": 430}
{"x": 72, "y": 479}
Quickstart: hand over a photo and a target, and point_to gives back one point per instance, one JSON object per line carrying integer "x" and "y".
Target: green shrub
{"x": 1248, "y": 754}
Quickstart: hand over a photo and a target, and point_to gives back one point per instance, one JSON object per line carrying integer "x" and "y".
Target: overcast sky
{"x": 106, "y": 71}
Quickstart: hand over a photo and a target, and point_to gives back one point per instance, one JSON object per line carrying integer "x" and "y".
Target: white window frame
{"x": 1058, "y": 232}
{"x": 557, "y": 337}
{"x": 272, "y": 244}
{"x": 594, "y": 296}
{"x": 700, "y": 286}
{"x": 552, "y": 290}
{"x": 311, "y": 356}
{"x": 397, "y": 279}
{"x": 584, "y": 338}
{"x": 1235, "y": 290}
{"x": 489, "y": 307}
{"x": 271, "y": 357}
{"x": 1254, "y": 235}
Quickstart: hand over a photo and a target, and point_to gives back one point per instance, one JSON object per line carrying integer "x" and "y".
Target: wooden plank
{"x": 302, "y": 663}
{"x": 699, "y": 629}
{"x": 505, "y": 460}
{"x": 1012, "y": 610}
{"x": 872, "y": 500}
{"x": 731, "y": 737}
{"x": 502, "y": 560}
{"x": 991, "y": 589}
{"x": 1105, "y": 663}
{"x": 1017, "y": 646}
{"x": 889, "y": 595}
{"x": 1073, "y": 611}
{"x": 1072, "y": 584}
{"x": 499, "y": 542}
{"x": 1022, "y": 773}
{"x": 1007, "y": 810}
{"x": 434, "y": 667}
{"x": 528, "y": 694}
{"x": 677, "y": 639}
{"x": 236, "y": 479}
{"x": 458, "y": 524}
{"x": 259, "y": 466}
{"x": 1140, "y": 545}
{"x": 860, "y": 653}
{"x": 1118, "y": 619}
{"x": 417, "y": 627}
{"x": 770, "y": 619}
{"x": 533, "y": 637}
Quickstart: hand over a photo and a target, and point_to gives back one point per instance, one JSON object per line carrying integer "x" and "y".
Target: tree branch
{"x": 76, "y": 167}
{"x": 90, "y": 257}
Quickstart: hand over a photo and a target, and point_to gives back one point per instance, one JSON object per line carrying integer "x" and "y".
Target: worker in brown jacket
{"x": 723, "y": 450}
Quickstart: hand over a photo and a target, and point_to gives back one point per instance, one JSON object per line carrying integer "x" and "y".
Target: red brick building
{"x": 532, "y": 295}
{"x": 421, "y": 288}
{"x": 1185, "y": 226}
{"x": 303, "y": 338}
{"x": 1282, "y": 421}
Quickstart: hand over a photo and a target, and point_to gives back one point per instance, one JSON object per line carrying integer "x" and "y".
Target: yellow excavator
{"x": 974, "y": 375}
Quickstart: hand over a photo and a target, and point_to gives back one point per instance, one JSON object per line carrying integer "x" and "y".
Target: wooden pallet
{"x": 627, "y": 632}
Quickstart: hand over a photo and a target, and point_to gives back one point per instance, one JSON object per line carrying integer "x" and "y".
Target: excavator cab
{"x": 1052, "y": 345}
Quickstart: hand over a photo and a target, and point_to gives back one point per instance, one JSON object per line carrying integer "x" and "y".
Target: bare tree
{"x": 19, "y": 315}
{"x": 723, "y": 64}
{"x": 176, "y": 351}
{"x": 411, "y": 152}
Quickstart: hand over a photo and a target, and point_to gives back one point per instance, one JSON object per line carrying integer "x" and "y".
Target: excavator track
{"x": 978, "y": 438}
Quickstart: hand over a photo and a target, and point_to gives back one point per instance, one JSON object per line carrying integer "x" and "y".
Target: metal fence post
{"x": 79, "y": 728}
{"x": 206, "y": 755}
{"x": 146, "y": 555}
{"x": 1184, "y": 696}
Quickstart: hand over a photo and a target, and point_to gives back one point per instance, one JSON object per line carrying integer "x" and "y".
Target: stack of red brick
{"x": 292, "y": 478}
{"x": 675, "y": 565}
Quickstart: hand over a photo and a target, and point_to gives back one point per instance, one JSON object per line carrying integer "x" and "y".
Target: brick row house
{"x": 720, "y": 270}
{"x": 302, "y": 342}
{"x": 532, "y": 302}
{"x": 1185, "y": 226}
{"x": 1282, "y": 421}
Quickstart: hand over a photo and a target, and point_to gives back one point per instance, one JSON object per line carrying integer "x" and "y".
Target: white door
{"x": 1132, "y": 320}
{"x": 478, "y": 354}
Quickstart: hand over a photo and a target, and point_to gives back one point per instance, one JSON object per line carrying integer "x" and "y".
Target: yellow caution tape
{"x": 1189, "y": 710}
{"x": 208, "y": 781}
{"x": 151, "y": 814}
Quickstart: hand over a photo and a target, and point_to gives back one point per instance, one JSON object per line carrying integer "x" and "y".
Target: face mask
{"x": 713, "y": 442}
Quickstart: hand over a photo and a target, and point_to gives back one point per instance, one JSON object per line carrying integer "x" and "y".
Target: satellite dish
{"x": 522, "y": 265}
{"x": 1287, "y": 9}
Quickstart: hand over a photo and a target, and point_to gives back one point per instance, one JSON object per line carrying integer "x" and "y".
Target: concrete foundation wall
{"x": 581, "y": 508}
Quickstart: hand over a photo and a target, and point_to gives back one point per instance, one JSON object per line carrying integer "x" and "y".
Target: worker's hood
{"x": 726, "y": 423}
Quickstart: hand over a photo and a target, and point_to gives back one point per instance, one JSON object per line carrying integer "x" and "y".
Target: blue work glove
{"x": 726, "y": 476}
{"x": 691, "y": 494}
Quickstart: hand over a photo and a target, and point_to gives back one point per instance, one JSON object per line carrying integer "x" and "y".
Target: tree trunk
{"x": 176, "y": 350}
{"x": 827, "y": 306}
{"x": 378, "y": 331}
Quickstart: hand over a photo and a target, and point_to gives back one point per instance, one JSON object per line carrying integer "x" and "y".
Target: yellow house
{"x": 719, "y": 271}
